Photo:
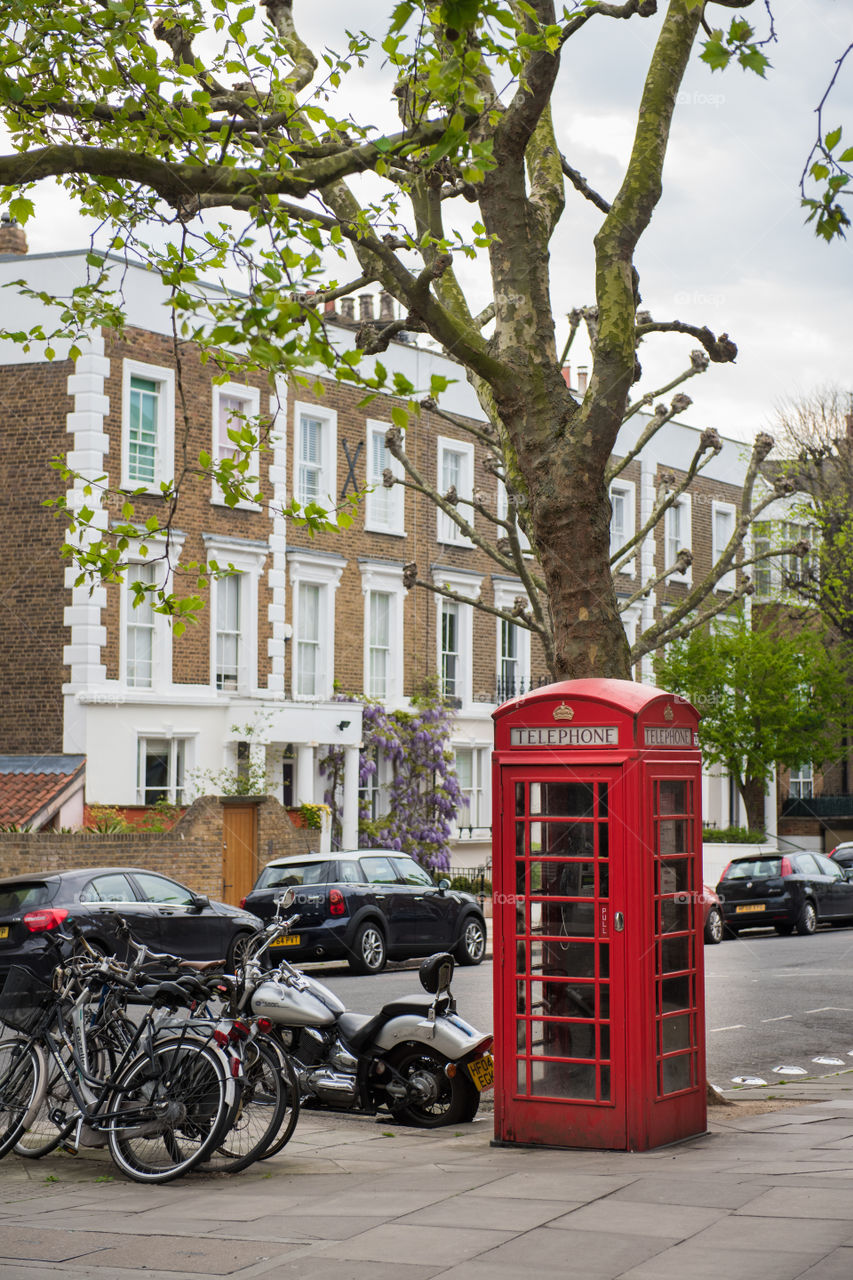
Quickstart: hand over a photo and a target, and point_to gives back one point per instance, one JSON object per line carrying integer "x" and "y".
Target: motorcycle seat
{"x": 358, "y": 1029}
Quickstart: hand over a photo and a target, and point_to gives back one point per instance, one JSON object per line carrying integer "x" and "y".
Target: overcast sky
{"x": 728, "y": 246}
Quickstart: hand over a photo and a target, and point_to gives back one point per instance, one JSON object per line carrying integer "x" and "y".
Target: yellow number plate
{"x": 288, "y": 940}
{"x": 759, "y": 906}
{"x": 482, "y": 1071}
{"x": 4, "y": 931}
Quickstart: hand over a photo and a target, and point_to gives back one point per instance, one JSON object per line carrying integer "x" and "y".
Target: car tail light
{"x": 243, "y": 901}
{"x": 337, "y": 906}
{"x": 41, "y": 921}
{"x": 786, "y": 868}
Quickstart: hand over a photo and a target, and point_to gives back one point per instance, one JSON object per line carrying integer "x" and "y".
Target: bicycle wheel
{"x": 175, "y": 1100}
{"x": 258, "y": 1114}
{"x": 44, "y": 1131}
{"x": 291, "y": 1115}
{"x": 21, "y": 1075}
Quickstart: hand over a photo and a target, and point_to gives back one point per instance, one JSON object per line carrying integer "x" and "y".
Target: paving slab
{"x": 491, "y": 1212}
{"x": 576, "y": 1255}
{"x": 579, "y": 1188}
{"x": 719, "y": 1191}
{"x": 687, "y": 1262}
{"x": 815, "y": 1236}
{"x": 447, "y": 1247}
{"x": 837, "y": 1265}
{"x": 818, "y": 1203}
{"x": 675, "y": 1222}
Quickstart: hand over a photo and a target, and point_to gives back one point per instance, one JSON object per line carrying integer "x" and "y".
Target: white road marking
{"x": 738, "y": 1026}
{"x": 782, "y": 1017}
{"x": 831, "y": 1008}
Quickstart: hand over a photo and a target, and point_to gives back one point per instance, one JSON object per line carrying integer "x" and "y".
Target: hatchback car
{"x": 712, "y": 916}
{"x": 791, "y": 891}
{"x": 367, "y": 906}
{"x": 163, "y": 914}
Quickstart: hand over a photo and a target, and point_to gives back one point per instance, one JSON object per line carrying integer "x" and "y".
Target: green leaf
{"x": 400, "y": 417}
{"x": 832, "y": 139}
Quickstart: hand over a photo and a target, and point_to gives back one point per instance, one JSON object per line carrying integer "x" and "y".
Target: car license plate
{"x": 4, "y": 931}
{"x": 482, "y": 1071}
{"x": 287, "y": 940}
{"x": 759, "y": 906}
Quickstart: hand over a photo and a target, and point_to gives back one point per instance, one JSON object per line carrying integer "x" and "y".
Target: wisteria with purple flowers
{"x": 423, "y": 793}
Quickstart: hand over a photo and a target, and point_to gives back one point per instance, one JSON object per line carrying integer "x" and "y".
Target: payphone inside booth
{"x": 597, "y": 877}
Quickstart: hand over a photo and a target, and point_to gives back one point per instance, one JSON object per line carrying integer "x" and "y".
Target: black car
{"x": 162, "y": 913}
{"x": 842, "y": 854}
{"x": 367, "y": 906}
{"x": 788, "y": 891}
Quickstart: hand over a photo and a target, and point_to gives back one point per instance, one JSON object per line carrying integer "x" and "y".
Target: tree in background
{"x": 423, "y": 793}
{"x": 816, "y": 434}
{"x": 767, "y": 697}
{"x": 202, "y": 135}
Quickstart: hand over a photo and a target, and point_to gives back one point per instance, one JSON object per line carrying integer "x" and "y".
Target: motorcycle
{"x": 416, "y": 1056}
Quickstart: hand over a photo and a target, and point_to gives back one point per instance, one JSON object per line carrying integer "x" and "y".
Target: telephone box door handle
{"x": 618, "y": 921}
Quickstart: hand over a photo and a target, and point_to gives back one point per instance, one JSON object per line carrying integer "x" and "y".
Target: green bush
{"x": 466, "y": 885}
{"x": 733, "y": 835}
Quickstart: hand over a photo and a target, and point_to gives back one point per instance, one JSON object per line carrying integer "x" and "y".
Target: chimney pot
{"x": 567, "y": 375}
{"x": 386, "y": 306}
{"x": 583, "y": 378}
{"x": 12, "y": 238}
{"x": 365, "y": 306}
{"x": 330, "y": 307}
{"x": 348, "y": 309}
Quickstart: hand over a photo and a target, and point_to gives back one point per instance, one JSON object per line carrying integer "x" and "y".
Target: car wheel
{"x": 784, "y": 929}
{"x": 714, "y": 926}
{"x": 471, "y": 947}
{"x": 368, "y": 954}
{"x": 238, "y": 951}
{"x": 807, "y": 919}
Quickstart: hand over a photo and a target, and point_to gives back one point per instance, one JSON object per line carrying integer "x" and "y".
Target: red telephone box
{"x": 598, "y": 931}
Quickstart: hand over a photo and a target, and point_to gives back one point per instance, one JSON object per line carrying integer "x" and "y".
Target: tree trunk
{"x": 753, "y": 791}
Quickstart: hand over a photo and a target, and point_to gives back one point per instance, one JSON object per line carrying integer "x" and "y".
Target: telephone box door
{"x": 560, "y": 896}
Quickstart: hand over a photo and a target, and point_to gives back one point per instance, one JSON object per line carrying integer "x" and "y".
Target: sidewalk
{"x": 759, "y": 1196}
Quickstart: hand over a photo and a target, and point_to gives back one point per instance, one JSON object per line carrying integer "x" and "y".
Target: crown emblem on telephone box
{"x": 668, "y": 713}
{"x": 563, "y": 712}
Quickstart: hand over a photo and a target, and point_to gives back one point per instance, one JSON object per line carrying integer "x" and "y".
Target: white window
{"x": 314, "y": 578}
{"x": 502, "y": 511}
{"x": 723, "y": 516}
{"x": 139, "y": 628}
{"x": 384, "y": 600}
{"x": 798, "y": 568}
{"x": 801, "y": 782}
{"x": 315, "y": 467}
{"x": 228, "y": 592}
{"x": 234, "y": 611}
{"x": 455, "y": 633}
{"x": 163, "y": 765}
{"x": 513, "y": 643}
{"x": 472, "y": 764}
{"x": 235, "y": 408}
{"x": 622, "y": 526}
{"x": 678, "y": 536}
{"x": 455, "y": 471}
{"x": 384, "y": 508}
{"x": 450, "y": 652}
{"x": 148, "y": 425}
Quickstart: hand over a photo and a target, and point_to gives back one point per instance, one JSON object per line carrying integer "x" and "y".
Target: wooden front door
{"x": 239, "y": 850}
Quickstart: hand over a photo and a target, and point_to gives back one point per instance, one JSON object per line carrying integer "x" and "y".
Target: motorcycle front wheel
{"x": 442, "y": 1099}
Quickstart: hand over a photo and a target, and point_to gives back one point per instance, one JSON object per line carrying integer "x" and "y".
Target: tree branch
{"x": 720, "y": 350}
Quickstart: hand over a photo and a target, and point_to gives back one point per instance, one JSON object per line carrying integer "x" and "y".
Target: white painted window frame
{"x": 467, "y": 585}
{"x": 248, "y": 562}
{"x": 251, "y": 407}
{"x": 684, "y": 504}
{"x": 628, "y": 490}
{"x": 327, "y": 496}
{"x": 446, "y": 531}
{"x": 173, "y": 738}
{"x": 165, "y": 461}
{"x": 729, "y": 579}
{"x": 480, "y": 787}
{"x": 161, "y": 673}
{"x": 395, "y": 525}
{"x": 505, "y": 595}
{"x": 377, "y": 575}
{"x": 502, "y": 511}
{"x": 323, "y": 571}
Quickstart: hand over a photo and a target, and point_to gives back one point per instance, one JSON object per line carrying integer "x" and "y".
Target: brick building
{"x": 254, "y": 682}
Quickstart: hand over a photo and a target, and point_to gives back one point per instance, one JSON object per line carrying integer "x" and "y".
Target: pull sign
{"x": 619, "y": 921}
{"x": 603, "y": 920}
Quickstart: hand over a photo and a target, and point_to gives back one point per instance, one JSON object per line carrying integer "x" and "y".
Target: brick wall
{"x": 33, "y": 405}
{"x": 190, "y": 852}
